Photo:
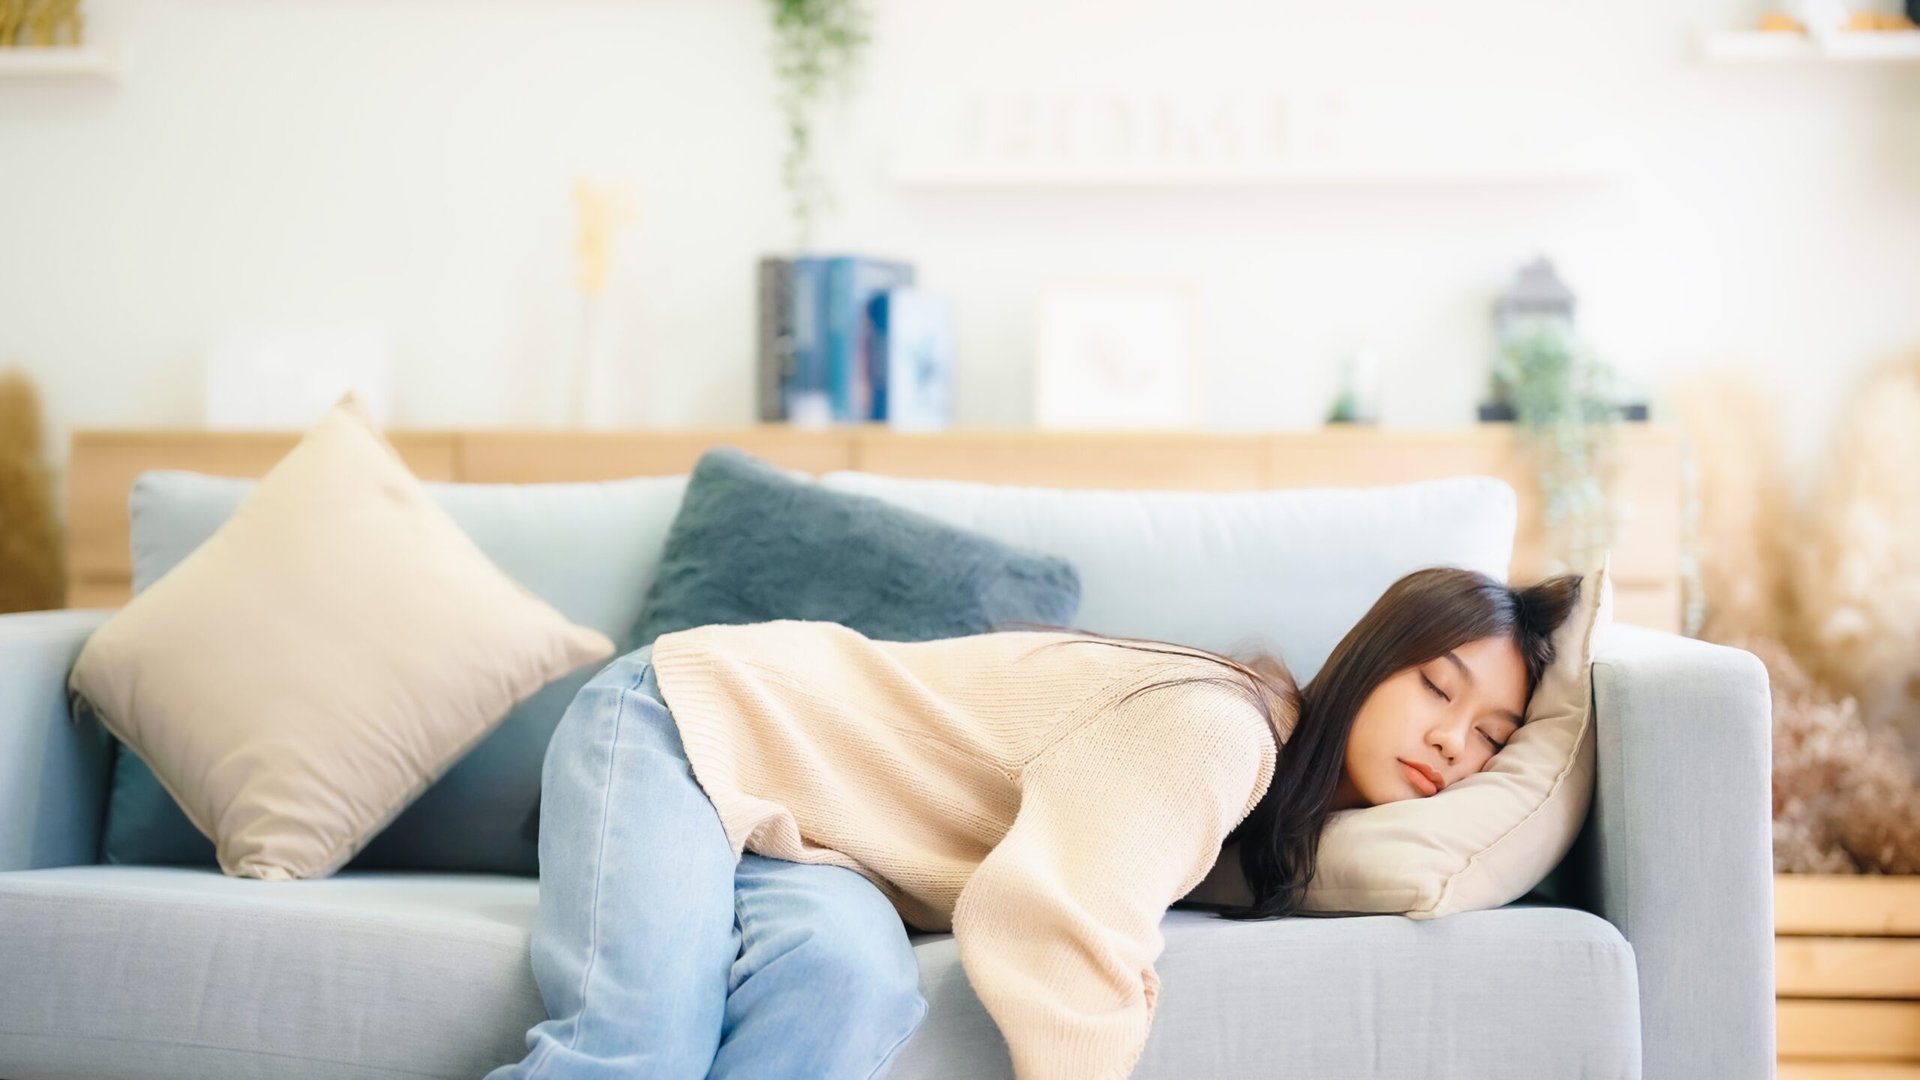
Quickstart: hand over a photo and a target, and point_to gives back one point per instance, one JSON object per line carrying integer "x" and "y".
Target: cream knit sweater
{"x": 989, "y": 786}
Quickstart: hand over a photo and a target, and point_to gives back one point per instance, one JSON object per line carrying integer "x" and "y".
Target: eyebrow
{"x": 1508, "y": 715}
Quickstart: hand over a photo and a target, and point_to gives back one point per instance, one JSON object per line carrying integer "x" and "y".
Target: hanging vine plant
{"x": 816, "y": 47}
{"x": 1564, "y": 400}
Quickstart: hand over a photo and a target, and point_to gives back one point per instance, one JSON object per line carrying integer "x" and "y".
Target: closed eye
{"x": 1442, "y": 695}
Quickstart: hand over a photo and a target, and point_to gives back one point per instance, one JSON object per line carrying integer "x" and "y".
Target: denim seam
{"x": 606, "y": 816}
{"x": 886, "y": 1058}
{"x": 740, "y": 917}
{"x": 884, "y": 1065}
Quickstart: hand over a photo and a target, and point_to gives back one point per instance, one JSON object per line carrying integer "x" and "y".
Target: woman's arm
{"x": 1059, "y": 927}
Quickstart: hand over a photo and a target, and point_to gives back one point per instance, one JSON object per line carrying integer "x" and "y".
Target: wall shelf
{"x": 1769, "y": 46}
{"x": 59, "y": 62}
{"x": 1150, "y": 133}
{"x": 1542, "y": 170}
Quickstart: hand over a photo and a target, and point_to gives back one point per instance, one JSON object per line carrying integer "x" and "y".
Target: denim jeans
{"x": 660, "y": 956}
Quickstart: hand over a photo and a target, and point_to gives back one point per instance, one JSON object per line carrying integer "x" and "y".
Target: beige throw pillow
{"x": 1487, "y": 839}
{"x": 323, "y": 658}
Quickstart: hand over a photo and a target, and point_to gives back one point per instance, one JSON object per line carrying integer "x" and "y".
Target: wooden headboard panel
{"x": 1646, "y": 555}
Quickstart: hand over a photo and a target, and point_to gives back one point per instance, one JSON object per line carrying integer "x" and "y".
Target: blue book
{"x": 913, "y": 342}
{"x": 807, "y": 390}
{"x": 852, "y": 281}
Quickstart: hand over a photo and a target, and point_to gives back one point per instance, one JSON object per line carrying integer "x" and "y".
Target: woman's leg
{"x": 826, "y": 986}
{"x": 635, "y": 935}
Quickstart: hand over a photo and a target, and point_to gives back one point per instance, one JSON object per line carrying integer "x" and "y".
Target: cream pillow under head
{"x": 322, "y": 658}
{"x": 1486, "y": 839}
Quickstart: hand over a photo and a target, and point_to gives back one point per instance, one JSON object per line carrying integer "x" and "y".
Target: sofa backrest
{"x": 1288, "y": 570}
{"x": 589, "y": 549}
{"x": 1285, "y": 571}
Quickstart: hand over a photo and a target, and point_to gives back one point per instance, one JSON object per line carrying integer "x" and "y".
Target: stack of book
{"x": 852, "y": 339}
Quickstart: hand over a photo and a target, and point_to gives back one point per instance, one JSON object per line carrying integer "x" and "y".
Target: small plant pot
{"x": 1494, "y": 412}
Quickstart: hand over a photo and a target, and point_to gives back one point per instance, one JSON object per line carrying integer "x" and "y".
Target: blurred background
{"x": 1216, "y": 215}
{"x": 1332, "y": 178}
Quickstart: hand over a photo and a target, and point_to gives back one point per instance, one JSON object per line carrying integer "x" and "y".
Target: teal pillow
{"x": 752, "y": 543}
{"x": 588, "y": 549}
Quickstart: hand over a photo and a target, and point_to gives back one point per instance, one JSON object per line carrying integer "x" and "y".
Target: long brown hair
{"x": 1420, "y": 617}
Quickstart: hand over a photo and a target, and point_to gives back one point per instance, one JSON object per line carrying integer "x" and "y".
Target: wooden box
{"x": 1847, "y": 976}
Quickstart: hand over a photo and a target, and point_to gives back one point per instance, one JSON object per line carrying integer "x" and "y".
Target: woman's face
{"x": 1450, "y": 714}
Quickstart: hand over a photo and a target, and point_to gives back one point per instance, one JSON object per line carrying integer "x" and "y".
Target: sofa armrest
{"x": 53, "y": 771}
{"x": 1678, "y": 850}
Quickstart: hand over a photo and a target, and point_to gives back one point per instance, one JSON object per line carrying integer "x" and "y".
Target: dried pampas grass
{"x": 1844, "y": 799}
{"x": 31, "y": 574}
{"x": 1745, "y": 521}
{"x": 1844, "y": 794}
{"x": 1856, "y": 575}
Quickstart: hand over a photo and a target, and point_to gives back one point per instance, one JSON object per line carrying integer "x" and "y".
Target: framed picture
{"x": 1117, "y": 354}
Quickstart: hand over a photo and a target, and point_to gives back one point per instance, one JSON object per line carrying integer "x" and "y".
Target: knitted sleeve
{"x": 1059, "y": 927}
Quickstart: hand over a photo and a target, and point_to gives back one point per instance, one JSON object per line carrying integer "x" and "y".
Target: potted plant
{"x": 816, "y": 47}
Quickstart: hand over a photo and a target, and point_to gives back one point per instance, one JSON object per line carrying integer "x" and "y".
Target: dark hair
{"x": 1420, "y": 617}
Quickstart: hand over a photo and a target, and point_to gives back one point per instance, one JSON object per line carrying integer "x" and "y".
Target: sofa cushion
{"x": 588, "y": 549}
{"x": 1287, "y": 571}
{"x": 331, "y": 651}
{"x": 1516, "y": 993}
{"x": 125, "y": 972}
{"x": 117, "y": 973}
{"x": 751, "y": 544}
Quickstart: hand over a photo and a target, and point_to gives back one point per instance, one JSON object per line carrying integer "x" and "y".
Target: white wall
{"x": 409, "y": 162}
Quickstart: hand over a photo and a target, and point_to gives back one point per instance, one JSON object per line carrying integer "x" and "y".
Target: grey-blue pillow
{"x": 751, "y": 543}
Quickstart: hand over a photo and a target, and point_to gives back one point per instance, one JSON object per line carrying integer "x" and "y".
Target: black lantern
{"x": 1536, "y": 295}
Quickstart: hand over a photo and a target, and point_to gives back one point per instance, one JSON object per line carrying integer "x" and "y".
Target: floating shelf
{"x": 59, "y": 62}
{"x": 1413, "y": 172}
{"x": 1761, "y": 46}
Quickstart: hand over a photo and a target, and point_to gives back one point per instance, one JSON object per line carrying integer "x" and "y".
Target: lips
{"x": 1422, "y": 778}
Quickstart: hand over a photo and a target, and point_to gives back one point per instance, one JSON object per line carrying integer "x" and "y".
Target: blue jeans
{"x": 660, "y": 956}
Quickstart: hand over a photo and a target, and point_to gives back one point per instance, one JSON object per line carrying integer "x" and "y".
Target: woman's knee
{"x": 612, "y": 712}
{"x": 871, "y": 975}
{"x": 623, "y": 670}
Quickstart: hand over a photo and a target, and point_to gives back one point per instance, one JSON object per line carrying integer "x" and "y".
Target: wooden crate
{"x": 1847, "y": 976}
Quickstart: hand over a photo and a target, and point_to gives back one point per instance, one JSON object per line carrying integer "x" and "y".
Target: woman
{"x": 727, "y": 883}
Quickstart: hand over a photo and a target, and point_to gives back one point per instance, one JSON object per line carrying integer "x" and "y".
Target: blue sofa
{"x": 1649, "y": 953}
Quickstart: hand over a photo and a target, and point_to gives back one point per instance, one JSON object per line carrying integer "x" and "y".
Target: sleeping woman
{"x": 741, "y": 823}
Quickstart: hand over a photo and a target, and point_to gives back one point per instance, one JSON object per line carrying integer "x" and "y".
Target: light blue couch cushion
{"x": 160, "y": 972}
{"x": 157, "y": 973}
{"x": 589, "y": 549}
